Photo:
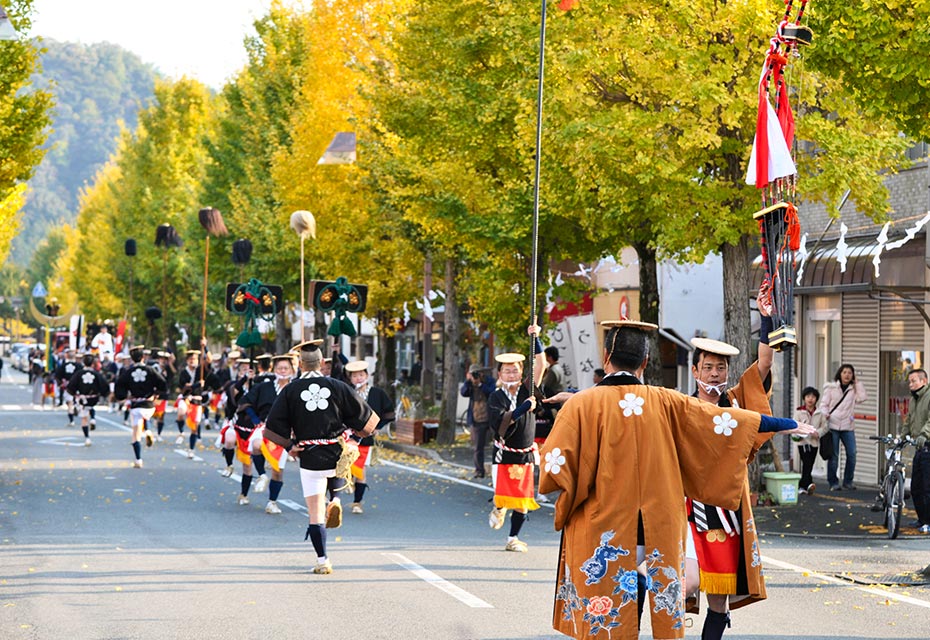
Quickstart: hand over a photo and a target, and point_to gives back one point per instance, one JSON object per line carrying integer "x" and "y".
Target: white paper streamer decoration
{"x": 802, "y": 255}
{"x": 909, "y": 234}
{"x": 842, "y": 249}
{"x": 881, "y": 239}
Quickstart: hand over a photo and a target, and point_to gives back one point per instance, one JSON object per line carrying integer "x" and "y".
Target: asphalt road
{"x": 92, "y": 548}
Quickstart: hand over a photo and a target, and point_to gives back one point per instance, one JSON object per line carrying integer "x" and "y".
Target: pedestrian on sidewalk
{"x": 809, "y": 445}
{"x": 838, "y": 403}
{"x": 917, "y": 425}
{"x": 478, "y": 385}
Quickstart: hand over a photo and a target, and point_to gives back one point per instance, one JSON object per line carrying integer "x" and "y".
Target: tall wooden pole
{"x": 534, "y": 260}
{"x": 203, "y": 317}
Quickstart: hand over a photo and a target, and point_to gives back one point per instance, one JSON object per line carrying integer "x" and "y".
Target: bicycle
{"x": 892, "y": 489}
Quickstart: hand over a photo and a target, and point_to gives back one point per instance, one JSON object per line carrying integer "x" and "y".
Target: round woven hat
{"x": 308, "y": 345}
{"x": 509, "y": 358}
{"x": 714, "y": 346}
{"x": 633, "y": 324}
{"x": 357, "y": 365}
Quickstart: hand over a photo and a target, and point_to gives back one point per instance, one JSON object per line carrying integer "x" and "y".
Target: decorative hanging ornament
{"x": 340, "y": 297}
{"x": 254, "y": 301}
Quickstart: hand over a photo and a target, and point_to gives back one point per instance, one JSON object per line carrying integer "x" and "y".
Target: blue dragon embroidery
{"x": 595, "y": 567}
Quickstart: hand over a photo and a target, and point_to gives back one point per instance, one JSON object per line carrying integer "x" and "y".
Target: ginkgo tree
{"x": 24, "y": 114}
{"x": 155, "y": 177}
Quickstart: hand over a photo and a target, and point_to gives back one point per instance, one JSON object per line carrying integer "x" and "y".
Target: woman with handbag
{"x": 838, "y": 404}
{"x": 809, "y": 445}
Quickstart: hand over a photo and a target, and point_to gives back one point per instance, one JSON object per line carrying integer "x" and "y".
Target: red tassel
{"x": 794, "y": 227}
{"x": 567, "y": 5}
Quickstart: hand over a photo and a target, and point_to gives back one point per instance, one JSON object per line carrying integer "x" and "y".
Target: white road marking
{"x": 443, "y": 585}
{"x": 846, "y": 583}
{"x": 183, "y": 452}
{"x": 290, "y": 504}
{"x": 63, "y": 441}
{"x": 112, "y": 423}
{"x": 442, "y": 476}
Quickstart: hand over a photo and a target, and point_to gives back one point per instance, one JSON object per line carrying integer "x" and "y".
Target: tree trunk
{"x": 428, "y": 373}
{"x": 452, "y": 357}
{"x": 386, "y": 373}
{"x": 736, "y": 305}
{"x": 649, "y": 308}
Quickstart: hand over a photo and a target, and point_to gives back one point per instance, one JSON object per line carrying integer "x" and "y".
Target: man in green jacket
{"x": 917, "y": 425}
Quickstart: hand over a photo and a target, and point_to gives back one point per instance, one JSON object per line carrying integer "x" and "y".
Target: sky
{"x": 197, "y": 38}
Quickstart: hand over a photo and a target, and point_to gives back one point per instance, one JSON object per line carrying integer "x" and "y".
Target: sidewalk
{"x": 825, "y": 514}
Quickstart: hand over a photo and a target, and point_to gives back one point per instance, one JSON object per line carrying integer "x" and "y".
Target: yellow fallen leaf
{"x": 338, "y": 538}
{"x": 118, "y": 588}
{"x": 31, "y": 570}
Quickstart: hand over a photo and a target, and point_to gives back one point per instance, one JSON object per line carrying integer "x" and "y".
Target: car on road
{"x": 19, "y": 355}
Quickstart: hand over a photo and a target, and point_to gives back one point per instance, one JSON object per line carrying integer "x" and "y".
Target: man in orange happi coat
{"x": 623, "y": 454}
{"x": 726, "y": 542}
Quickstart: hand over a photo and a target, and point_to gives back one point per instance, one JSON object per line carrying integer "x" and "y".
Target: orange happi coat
{"x": 619, "y": 452}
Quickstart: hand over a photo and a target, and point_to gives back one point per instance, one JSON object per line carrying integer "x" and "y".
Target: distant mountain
{"x": 95, "y": 87}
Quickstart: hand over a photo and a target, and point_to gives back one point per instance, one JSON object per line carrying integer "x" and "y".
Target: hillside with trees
{"x": 96, "y": 89}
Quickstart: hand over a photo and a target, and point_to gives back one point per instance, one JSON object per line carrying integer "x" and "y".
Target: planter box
{"x": 783, "y": 487}
{"x": 408, "y": 431}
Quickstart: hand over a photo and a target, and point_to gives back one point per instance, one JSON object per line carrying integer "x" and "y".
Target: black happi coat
{"x": 519, "y": 434}
{"x": 381, "y": 404}
{"x": 140, "y": 383}
{"x": 89, "y": 384}
{"x": 314, "y": 407}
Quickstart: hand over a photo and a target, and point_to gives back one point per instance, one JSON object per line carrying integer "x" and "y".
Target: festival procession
{"x": 465, "y": 320}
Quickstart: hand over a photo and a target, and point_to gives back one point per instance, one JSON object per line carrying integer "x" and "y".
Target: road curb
{"x": 412, "y": 450}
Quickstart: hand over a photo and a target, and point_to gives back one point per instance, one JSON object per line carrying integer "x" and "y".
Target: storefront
{"x": 877, "y": 323}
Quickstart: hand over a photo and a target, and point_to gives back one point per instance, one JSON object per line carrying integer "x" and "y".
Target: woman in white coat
{"x": 838, "y": 404}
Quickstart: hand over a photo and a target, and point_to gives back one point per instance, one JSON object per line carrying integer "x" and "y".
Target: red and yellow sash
{"x": 514, "y": 487}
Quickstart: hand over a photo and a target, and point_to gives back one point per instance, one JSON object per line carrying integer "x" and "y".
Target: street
{"x": 92, "y": 548}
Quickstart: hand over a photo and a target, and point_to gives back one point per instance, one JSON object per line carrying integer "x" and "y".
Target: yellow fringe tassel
{"x": 509, "y": 502}
{"x": 718, "y": 583}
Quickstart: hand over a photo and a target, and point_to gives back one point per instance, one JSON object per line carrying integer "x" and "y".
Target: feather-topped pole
{"x": 304, "y": 224}
{"x": 241, "y": 252}
{"x": 212, "y": 220}
{"x": 167, "y": 236}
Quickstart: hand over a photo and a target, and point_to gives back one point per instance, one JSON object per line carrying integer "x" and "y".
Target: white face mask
{"x": 281, "y": 378}
{"x": 361, "y": 385}
{"x": 713, "y": 389}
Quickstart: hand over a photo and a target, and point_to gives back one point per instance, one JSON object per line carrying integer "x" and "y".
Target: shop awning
{"x": 903, "y": 267}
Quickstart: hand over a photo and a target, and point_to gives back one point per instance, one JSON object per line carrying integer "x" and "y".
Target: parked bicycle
{"x": 892, "y": 488}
